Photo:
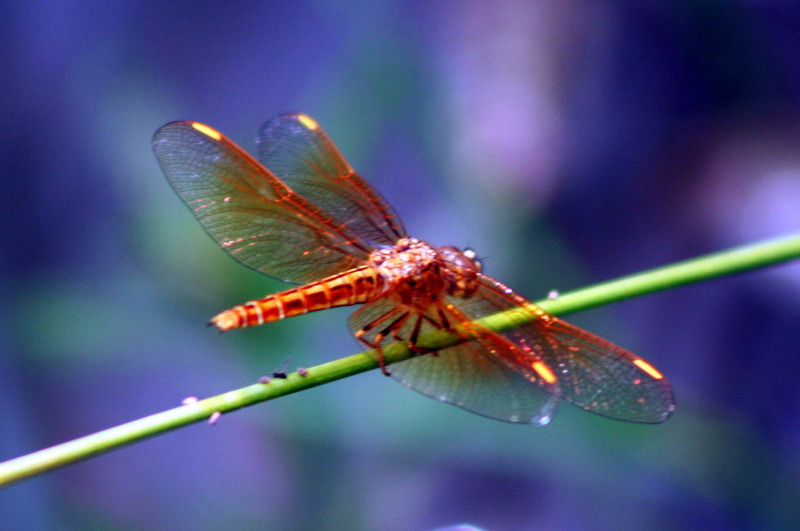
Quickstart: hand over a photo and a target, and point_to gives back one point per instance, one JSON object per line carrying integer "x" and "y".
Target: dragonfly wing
{"x": 470, "y": 375}
{"x": 601, "y": 377}
{"x": 251, "y": 213}
{"x": 594, "y": 374}
{"x": 298, "y": 151}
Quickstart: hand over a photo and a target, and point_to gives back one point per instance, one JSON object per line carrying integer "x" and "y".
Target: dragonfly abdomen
{"x": 343, "y": 289}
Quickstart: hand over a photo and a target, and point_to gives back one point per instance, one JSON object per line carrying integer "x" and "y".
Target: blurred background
{"x": 567, "y": 142}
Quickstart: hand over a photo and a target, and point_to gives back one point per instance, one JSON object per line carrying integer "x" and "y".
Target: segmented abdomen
{"x": 343, "y": 289}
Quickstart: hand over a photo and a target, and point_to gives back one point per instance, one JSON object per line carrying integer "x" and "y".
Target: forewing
{"x": 467, "y": 375}
{"x": 594, "y": 374}
{"x": 249, "y": 212}
{"x": 297, "y": 150}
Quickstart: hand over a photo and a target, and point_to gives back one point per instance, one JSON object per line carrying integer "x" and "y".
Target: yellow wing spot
{"x": 206, "y": 130}
{"x": 649, "y": 369}
{"x": 308, "y": 122}
{"x": 544, "y": 371}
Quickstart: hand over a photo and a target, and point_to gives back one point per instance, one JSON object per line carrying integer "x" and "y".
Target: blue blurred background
{"x": 567, "y": 142}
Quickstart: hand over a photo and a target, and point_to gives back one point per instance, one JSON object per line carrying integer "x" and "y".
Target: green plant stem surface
{"x": 715, "y": 265}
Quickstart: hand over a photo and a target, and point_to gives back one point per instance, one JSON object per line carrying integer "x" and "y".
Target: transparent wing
{"x": 476, "y": 375}
{"x": 592, "y": 373}
{"x": 251, "y": 213}
{"x": 298, "y": 151}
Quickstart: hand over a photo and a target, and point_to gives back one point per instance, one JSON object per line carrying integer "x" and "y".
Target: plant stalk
{"x": 710, "y": 266}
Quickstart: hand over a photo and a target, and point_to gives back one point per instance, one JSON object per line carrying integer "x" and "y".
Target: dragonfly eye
{"x": 463, "y": 262}
{"x": 473, "y": 257}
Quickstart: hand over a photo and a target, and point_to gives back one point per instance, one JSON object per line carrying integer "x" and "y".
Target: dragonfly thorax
{"x": 421, "y": 274}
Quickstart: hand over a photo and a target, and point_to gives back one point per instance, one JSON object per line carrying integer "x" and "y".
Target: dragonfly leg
{"x": 412, "y": 341}
{"x": 377, "y": 347}
{"x": 443, "y": 324}
{"x": 377, "y": 342}
{"x": 397, "y": 326}
{"x": 443, "y": 318}
{"x": 393, "y": 329}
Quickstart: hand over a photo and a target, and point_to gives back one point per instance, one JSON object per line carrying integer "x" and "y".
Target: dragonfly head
{"x": 461, "y": 270}
{"x": 473, "y": 256}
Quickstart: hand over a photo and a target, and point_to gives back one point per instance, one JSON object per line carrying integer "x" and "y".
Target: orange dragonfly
{"x": 310, "y": 219}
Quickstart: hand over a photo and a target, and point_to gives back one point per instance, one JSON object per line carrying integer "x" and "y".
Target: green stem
{"x": 707, "y": 267}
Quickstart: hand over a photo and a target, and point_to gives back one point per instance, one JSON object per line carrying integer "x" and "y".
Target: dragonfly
{"x": 301, "y": 214}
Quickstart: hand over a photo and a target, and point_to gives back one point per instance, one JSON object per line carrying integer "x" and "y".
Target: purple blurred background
{"x": 568, "y": 142}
